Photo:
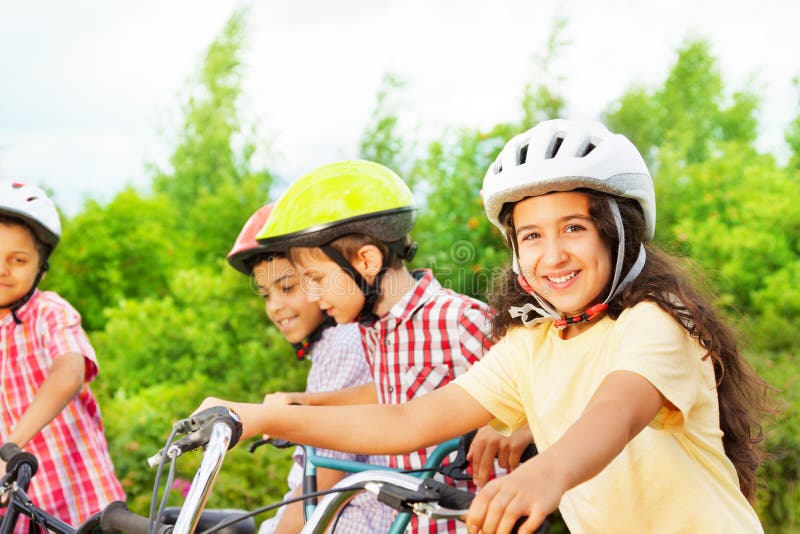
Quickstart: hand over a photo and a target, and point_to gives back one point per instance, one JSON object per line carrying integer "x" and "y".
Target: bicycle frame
{"x": 400, "y": 523}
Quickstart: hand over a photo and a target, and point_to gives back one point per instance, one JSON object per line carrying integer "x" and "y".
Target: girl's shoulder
{"x": 644, "y": 310}
{"x": 648, "y": 318}
{"x": 528, "y": 337}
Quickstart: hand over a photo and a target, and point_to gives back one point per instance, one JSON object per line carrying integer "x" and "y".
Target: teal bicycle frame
{"x": 400, "y": 523}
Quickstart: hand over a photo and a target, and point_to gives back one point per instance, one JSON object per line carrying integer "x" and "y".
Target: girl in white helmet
{"x": 642, "y": 409}
{"x": 46, "y": 363}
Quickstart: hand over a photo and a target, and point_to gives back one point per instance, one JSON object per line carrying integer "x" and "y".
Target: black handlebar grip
{"x": 449, "y": 496}
{"x": 16, "y": 457}
{"x": 457, "y": 468}
{"x": 457, "y": 499}
{"x": 117, "y": 518}
{"x": 8, "y": 450}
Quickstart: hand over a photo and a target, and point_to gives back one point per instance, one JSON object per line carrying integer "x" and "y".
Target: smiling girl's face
{"x": 561, "y": 252}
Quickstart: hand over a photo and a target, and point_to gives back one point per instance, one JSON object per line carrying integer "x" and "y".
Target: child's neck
{"x": 395, "y": 285}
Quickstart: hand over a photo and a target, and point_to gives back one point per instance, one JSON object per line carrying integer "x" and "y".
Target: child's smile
{"x": 285, "y": 302}
{"x": 19, "y": 262}
{"x": 561, "y": 251}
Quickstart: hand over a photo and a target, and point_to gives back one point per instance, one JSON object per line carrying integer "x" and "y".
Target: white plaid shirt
{"x": 338, "y": 362}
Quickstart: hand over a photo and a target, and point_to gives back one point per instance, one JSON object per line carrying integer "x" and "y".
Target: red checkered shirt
{"x": 76, "y": 476}
{"x": 428, "y": 338}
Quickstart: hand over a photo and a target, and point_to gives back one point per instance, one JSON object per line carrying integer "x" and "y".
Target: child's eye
{"x": 530, "y": 236}
{"x": 285, "y": 290}
{"x": 19, "y": 260}
{"x": 574, "y": 228}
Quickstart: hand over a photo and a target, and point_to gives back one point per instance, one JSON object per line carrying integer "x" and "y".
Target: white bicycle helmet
{"x": 564, "y": 155}
{"x": 32, "y": 205}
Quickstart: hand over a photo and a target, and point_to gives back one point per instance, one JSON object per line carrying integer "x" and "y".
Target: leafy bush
{"x": 779, "y": 498}
{"x": 137, "y": 427}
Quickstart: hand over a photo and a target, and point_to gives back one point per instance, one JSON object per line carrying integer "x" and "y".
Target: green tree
{"x": 793, "y": 137}
{"x": 382, "y": 140}
{"x": 113, "y": 252}
{"x": 689, "y": 113}
{"x": 544, "y": 100}
{"x": 212, "y": 181}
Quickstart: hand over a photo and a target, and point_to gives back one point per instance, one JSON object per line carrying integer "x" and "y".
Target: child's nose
{"x": 273, "y": 304}
{"x": 554, "y": 252}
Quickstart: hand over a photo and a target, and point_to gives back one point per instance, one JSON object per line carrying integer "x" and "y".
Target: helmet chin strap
{"x": 371, "y": 291}
{"x": 14, "y": 306}
{"x": 545, "y": 312}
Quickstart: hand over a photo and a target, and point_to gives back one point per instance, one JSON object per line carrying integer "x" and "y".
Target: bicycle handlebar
{"x": 457, "y": 468}
{"x": 117, "y": 518}
{"x": 404, "y": 493}
{"x": 198, "y": 430}
{"x": 15, "y": 458}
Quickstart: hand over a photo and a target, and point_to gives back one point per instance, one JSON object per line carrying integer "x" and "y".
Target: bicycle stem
{"x": 204, "y": 479}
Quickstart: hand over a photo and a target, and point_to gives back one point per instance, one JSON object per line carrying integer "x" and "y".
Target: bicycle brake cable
{"x": 267, "y": 508}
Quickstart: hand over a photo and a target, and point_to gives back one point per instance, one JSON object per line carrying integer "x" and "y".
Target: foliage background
{"x": 172, "y": 323}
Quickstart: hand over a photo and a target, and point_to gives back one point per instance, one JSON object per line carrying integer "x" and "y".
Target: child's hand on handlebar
{"x": 529, "y": 490}
{"x": 489, "y": 444}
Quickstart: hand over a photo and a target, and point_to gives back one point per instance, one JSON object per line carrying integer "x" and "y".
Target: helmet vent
{"x": 588, "y": 148}
{"x": 498, "y": 167}
{"x": 554, "y": 146}
{"x": 522, "y": 155}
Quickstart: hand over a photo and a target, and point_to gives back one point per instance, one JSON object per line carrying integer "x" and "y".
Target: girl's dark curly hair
{"x": 673, "y": 284}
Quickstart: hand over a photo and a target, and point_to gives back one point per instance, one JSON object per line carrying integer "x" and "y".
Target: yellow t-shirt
{"x": 673, "y": 476}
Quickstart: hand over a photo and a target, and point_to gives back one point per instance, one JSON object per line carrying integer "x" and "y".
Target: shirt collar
{"x": 22, "y": 311}
{"x": 425, "y": 289}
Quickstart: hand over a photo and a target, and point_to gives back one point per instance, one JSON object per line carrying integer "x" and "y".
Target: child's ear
{"x": 368, "y": 261}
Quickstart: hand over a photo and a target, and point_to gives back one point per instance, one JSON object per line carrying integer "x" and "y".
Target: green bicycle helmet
{"x": 346, "y": 197}
{"x": 341, "y": 198}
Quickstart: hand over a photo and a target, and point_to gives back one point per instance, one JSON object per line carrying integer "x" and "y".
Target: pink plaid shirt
{"x": 76, "y": 476}
{"x": 428, "y": 338}
{"x": 338, "y": 362}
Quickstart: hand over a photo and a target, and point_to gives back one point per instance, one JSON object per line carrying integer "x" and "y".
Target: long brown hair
{"x": 744, "y": 398}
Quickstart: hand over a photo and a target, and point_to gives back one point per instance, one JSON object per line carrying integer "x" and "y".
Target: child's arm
{"x": 64, "y": 381}
{"x": 366, "y": 429}
{"x": 363, "y": 394}
{"x": 621, "y": 407}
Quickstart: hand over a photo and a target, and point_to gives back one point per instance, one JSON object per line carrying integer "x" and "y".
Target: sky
{"x": 90, "y": 91}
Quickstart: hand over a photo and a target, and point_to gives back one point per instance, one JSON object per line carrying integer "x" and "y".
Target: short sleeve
{"x": 494, "y": 382}
{"x": 474, "y": 327}
{"x": 62, "y": 333}
{"x": 338, "y": 360}
{"x": 655, "y": 346}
